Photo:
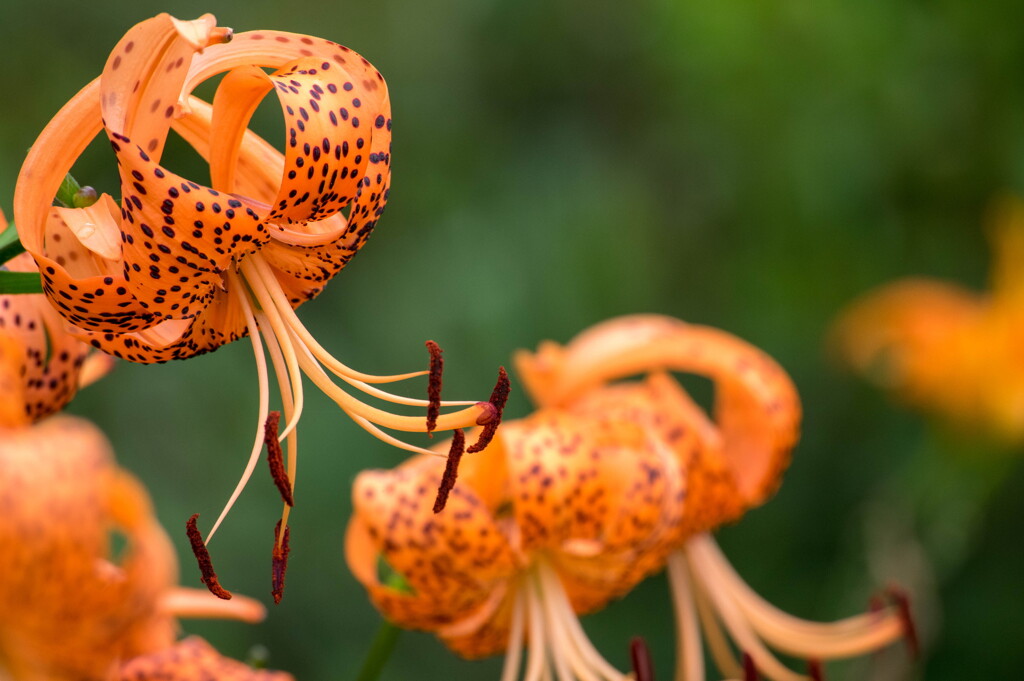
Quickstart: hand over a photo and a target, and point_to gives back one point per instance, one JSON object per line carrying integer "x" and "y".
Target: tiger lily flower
{"x": 555, "y": 518}
{"x": 731, "y": 462}
{"x": 174, "y": 268}
{"x": 944, "y": 349}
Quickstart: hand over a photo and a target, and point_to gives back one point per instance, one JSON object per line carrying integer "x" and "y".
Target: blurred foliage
{"x": 752, "y": 166}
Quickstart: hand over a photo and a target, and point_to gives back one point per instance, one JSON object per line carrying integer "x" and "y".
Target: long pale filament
{"x": 557, "y": 644}
{"x": 310, "y": 364}
{"x": 184, "y": 603}
{"x": 845, "y": 638}
{"x": 689, "y": 654}
{"x": 264, "y": 408}
{"x": 287, "y": 404}
{"x": 738, "y": 626}
{"x": 514, "y": 651}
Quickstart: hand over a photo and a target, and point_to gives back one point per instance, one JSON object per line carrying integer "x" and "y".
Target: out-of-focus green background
{"x": 752, "y": 166}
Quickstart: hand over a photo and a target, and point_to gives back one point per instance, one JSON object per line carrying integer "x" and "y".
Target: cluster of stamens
{"x": 275, "y": 330}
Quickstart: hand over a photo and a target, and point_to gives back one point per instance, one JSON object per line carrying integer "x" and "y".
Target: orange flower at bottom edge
{"x": 74, "y": 605}
{"x": 539, "y": 529}
{"x": 555, "y": 518}
{"x": 947, "y": 350}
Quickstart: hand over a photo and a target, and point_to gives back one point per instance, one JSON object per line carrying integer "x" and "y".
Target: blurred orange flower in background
{"x": 948, "y": 351}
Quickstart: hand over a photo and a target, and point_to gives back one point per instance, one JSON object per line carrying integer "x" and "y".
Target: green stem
{"x": 10, "y": 248}
{"x": 20, "y": 282}
{"x": 380, "y": 650}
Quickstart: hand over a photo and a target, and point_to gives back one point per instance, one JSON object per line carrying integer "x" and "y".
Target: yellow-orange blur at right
{"x": 948, "y": 351}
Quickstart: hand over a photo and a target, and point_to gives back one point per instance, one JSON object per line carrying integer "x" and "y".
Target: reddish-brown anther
{"x": 499, "y": 396}
{"x": 275, "y": 457}
{"x": 815, "y": 670}
{"x": 209, "y": 576}
{"x": 434, "y": 385}
{"x": 279, "y": 563}
{"x": 640, "y": 656}
{"x": 749, "y": 669}
{"x": 901, "y": 599}
{"x": 451, "y": 470}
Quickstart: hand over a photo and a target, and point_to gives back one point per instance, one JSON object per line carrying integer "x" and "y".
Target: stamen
{"x": 588, "y": 656}
{"x": 843, "y": 638}
{"x": 264, "y": 399}
{"x": 499, "y": 396}
{"x": 434, "y": 387}
{"x": 187, "y": 603}
{"x": 749, "y": 669}
{"x": 815, "y": 671}
{"x": 718, "y": 644}
{"x": 284, "y": 385}
{"x": 536, "y": 660}
{"x": 902, "y": 600}
{"x": 275, "y": 457}
{"x": 278, "y": 298}
{"x": 689, "y": 652}
{"x": 94, "y": 367}
{"x": 451, "y": 469}
{"x": 640, "y": 655}
{"x": 279, "y": 562}
{"x": 284, "y": 339}
{"x": 209, "y": 577}
{"x": 738, "y": 626}
{"x": 514, "y": 650}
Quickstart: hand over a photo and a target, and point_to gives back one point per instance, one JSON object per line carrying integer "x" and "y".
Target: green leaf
{"x": 9, "y": 245}
{"x": 8, "y": 236}
{"x": 20, "y": 282}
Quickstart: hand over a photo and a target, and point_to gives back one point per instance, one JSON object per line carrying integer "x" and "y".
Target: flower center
{"x": 557, "y": 646}
{"x": 275, "y": 330}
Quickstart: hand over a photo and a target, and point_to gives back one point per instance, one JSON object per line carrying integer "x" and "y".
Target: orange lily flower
{"x": 732, "y": 462}
{"x": 946, "y": 350}
{"x": 556, "y": 517}
{"x": 176, "y": 268}
{"x": 469, "y": 567}
{"x": 73, "y": 607}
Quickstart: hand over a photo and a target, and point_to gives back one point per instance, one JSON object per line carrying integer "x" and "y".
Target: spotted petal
{"x": 193, "y": 659}
{"x": 455, "y": 563}
{"x": 70, "y": 606}
{"x": 757, "y": 410}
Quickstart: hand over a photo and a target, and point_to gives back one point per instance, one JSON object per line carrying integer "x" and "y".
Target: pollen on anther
{"x": 902, "y": 601}
{"x": 451, "y": 470}
{"x": 275, "y": 457}
{"x": 209, "y": 576}
{"x": 434, "y": 385}
{"x": 749, "y": 668}
{"x": 499, "y": 396}
{"x": 279, "y": 561}
{"x": 640, "y": 656}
